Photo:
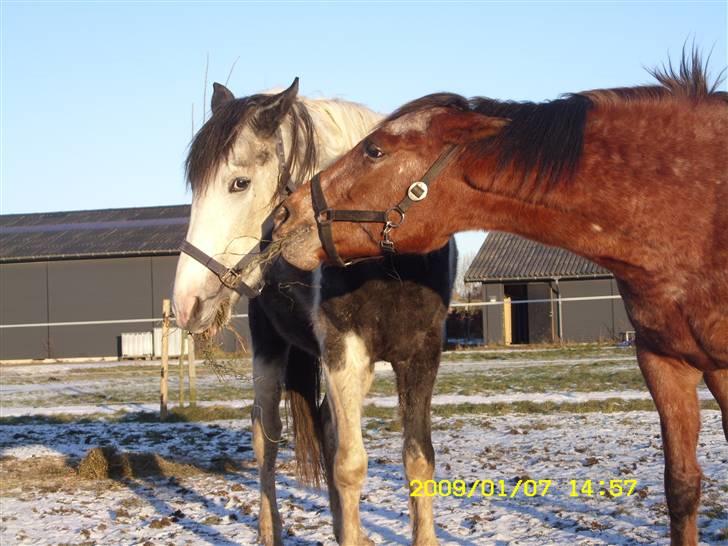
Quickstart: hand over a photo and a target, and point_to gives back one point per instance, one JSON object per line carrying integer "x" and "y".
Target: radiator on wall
{"x": 175, "y": 340}
{"x": 137, "y": 345}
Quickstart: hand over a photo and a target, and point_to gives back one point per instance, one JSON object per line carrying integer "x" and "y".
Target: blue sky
{"x": 97, "y": 96}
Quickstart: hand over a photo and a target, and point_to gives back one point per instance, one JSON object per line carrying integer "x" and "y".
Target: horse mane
{"x": 214, "y": 142}
{"x": 544, "y": 141}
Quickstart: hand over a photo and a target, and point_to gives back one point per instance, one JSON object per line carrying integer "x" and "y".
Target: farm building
{"x": 565, "y": 296}
{"x": 88, "y": 266}
{"x": 117, "y": 265}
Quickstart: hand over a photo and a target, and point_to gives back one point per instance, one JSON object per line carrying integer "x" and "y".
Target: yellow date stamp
{"x": 525, "y": 487}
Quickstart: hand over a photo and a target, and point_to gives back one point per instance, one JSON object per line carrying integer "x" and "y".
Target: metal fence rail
{"x": 92, "y": 322}
{"x": 516, "y": 302}
{"x": 458, "y": 305}
{"x": 473, "y": 333}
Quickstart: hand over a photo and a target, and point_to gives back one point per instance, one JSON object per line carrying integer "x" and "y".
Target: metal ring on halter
{"x": 396, "y": 223}
{"x": 325, "y": 217}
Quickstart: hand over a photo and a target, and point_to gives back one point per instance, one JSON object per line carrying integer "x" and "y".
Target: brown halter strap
{"x": 391, "y": 218}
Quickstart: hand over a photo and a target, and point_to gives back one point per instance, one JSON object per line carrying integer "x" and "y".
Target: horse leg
{"x": 415, "y": 382}
{"x": 329, "y": 448}
{"x": 348, "y": 379}
{"x": 673, "y": 385}
{"x": 267, "y": 379}
{"x": 717, "y": 382}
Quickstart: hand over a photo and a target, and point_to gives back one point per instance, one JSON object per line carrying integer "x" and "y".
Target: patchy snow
{"x": 109, "y": 409}
{"x": 379, "y": 401}
{"x": 536, "y": 397}
{"x": 220, "y": 508}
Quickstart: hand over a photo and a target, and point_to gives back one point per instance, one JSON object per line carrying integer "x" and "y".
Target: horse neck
{"x": 632, "y": 202}
{"x": 339, "y": 126}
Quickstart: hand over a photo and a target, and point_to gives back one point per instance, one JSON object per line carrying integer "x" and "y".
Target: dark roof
{"x": 104, "y": 233}
{"x": 507, "y": 257}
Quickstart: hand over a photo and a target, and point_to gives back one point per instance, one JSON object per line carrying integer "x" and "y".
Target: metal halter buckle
{"x": 231, "y": 278}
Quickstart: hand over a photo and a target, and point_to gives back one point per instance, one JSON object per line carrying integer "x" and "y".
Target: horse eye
{"x": 373, "y": 151}
{"x": 240, "y": 184}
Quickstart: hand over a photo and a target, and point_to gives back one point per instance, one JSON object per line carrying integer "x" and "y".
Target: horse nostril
{"x": 186, "y": 310}
{"x": 281, "y": 215}
{"x": 195, "y": 307}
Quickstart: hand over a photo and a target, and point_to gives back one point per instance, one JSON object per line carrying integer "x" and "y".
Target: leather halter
{"x": 391, "y": 218}
{"x": 230, "y": 276}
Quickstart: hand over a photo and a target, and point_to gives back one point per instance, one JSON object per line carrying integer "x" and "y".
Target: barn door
{"x": 519, "y": 312}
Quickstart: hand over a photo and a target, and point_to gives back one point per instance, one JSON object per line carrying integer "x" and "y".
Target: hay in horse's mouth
{"x": 209, "y": 349}
{"x": 205, "y": 340}
{"x": 265, "y": 258}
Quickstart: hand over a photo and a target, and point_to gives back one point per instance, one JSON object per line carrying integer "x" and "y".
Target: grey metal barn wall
{"x": 582, "y": 321}
{"x": 85, "y": 290}
{"x": 23, "y": 299}
{"x": 593, "y": 320}
{"x": 103, "y": 289}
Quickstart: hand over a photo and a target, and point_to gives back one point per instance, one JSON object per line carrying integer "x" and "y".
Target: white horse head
{"x": 234, "y": 168}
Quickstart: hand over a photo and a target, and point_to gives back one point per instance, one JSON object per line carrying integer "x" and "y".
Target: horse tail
{"x": 303, "y": 386}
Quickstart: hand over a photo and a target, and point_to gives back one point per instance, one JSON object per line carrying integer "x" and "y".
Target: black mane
{"x": 544, "y": 141}
{"x": 214, "y": 142}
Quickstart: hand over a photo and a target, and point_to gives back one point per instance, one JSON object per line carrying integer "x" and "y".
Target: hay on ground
{"x": 103, "y": 463}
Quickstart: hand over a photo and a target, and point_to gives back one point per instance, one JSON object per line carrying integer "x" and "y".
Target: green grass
{"x": 547, "y": 353}
{"x": 131, "y": 396}
{"x": 234, "y": 369}
{"x": 586, "y": 377}
{"x": 140, "y": 384}
{"x": 175, "y": 415}
{"x": 382, "y": 416}
{"x": 379, "y": 417}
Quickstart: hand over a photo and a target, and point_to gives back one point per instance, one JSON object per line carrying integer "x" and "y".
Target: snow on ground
{"x": 558, "y": 397}
{"x": 220, "y": 508}
{"x": 379, "y": 401}
{"x": 215, "y": 507}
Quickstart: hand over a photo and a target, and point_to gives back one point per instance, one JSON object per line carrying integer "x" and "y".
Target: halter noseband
{"x": 230, "y": 276}
{"x": 391, "y": 218}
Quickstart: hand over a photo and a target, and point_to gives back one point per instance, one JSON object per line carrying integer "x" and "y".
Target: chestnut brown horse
{"x": 635, "y": 179}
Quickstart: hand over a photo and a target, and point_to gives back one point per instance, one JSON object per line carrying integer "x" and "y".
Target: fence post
{"x": 507, "y": 321}
{"x": 192, "y": 371}
{"x": 163, "y": 384}
{"x": 181, "y": 369}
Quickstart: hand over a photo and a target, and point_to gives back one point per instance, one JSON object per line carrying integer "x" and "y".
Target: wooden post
{"x": 181, "y": 370}
{"x": 163, "y": 384}
{"x": 507, "y": 321}
{"x": 192, "y": 370}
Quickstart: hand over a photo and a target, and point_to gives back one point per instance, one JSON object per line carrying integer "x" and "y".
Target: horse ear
{"x": 464, "y": 127}
{"x": 220, "y": 95}
{"x": 272, "y": 114}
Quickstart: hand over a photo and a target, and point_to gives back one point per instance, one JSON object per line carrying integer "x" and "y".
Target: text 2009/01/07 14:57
{"x": 527, "y": 487}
